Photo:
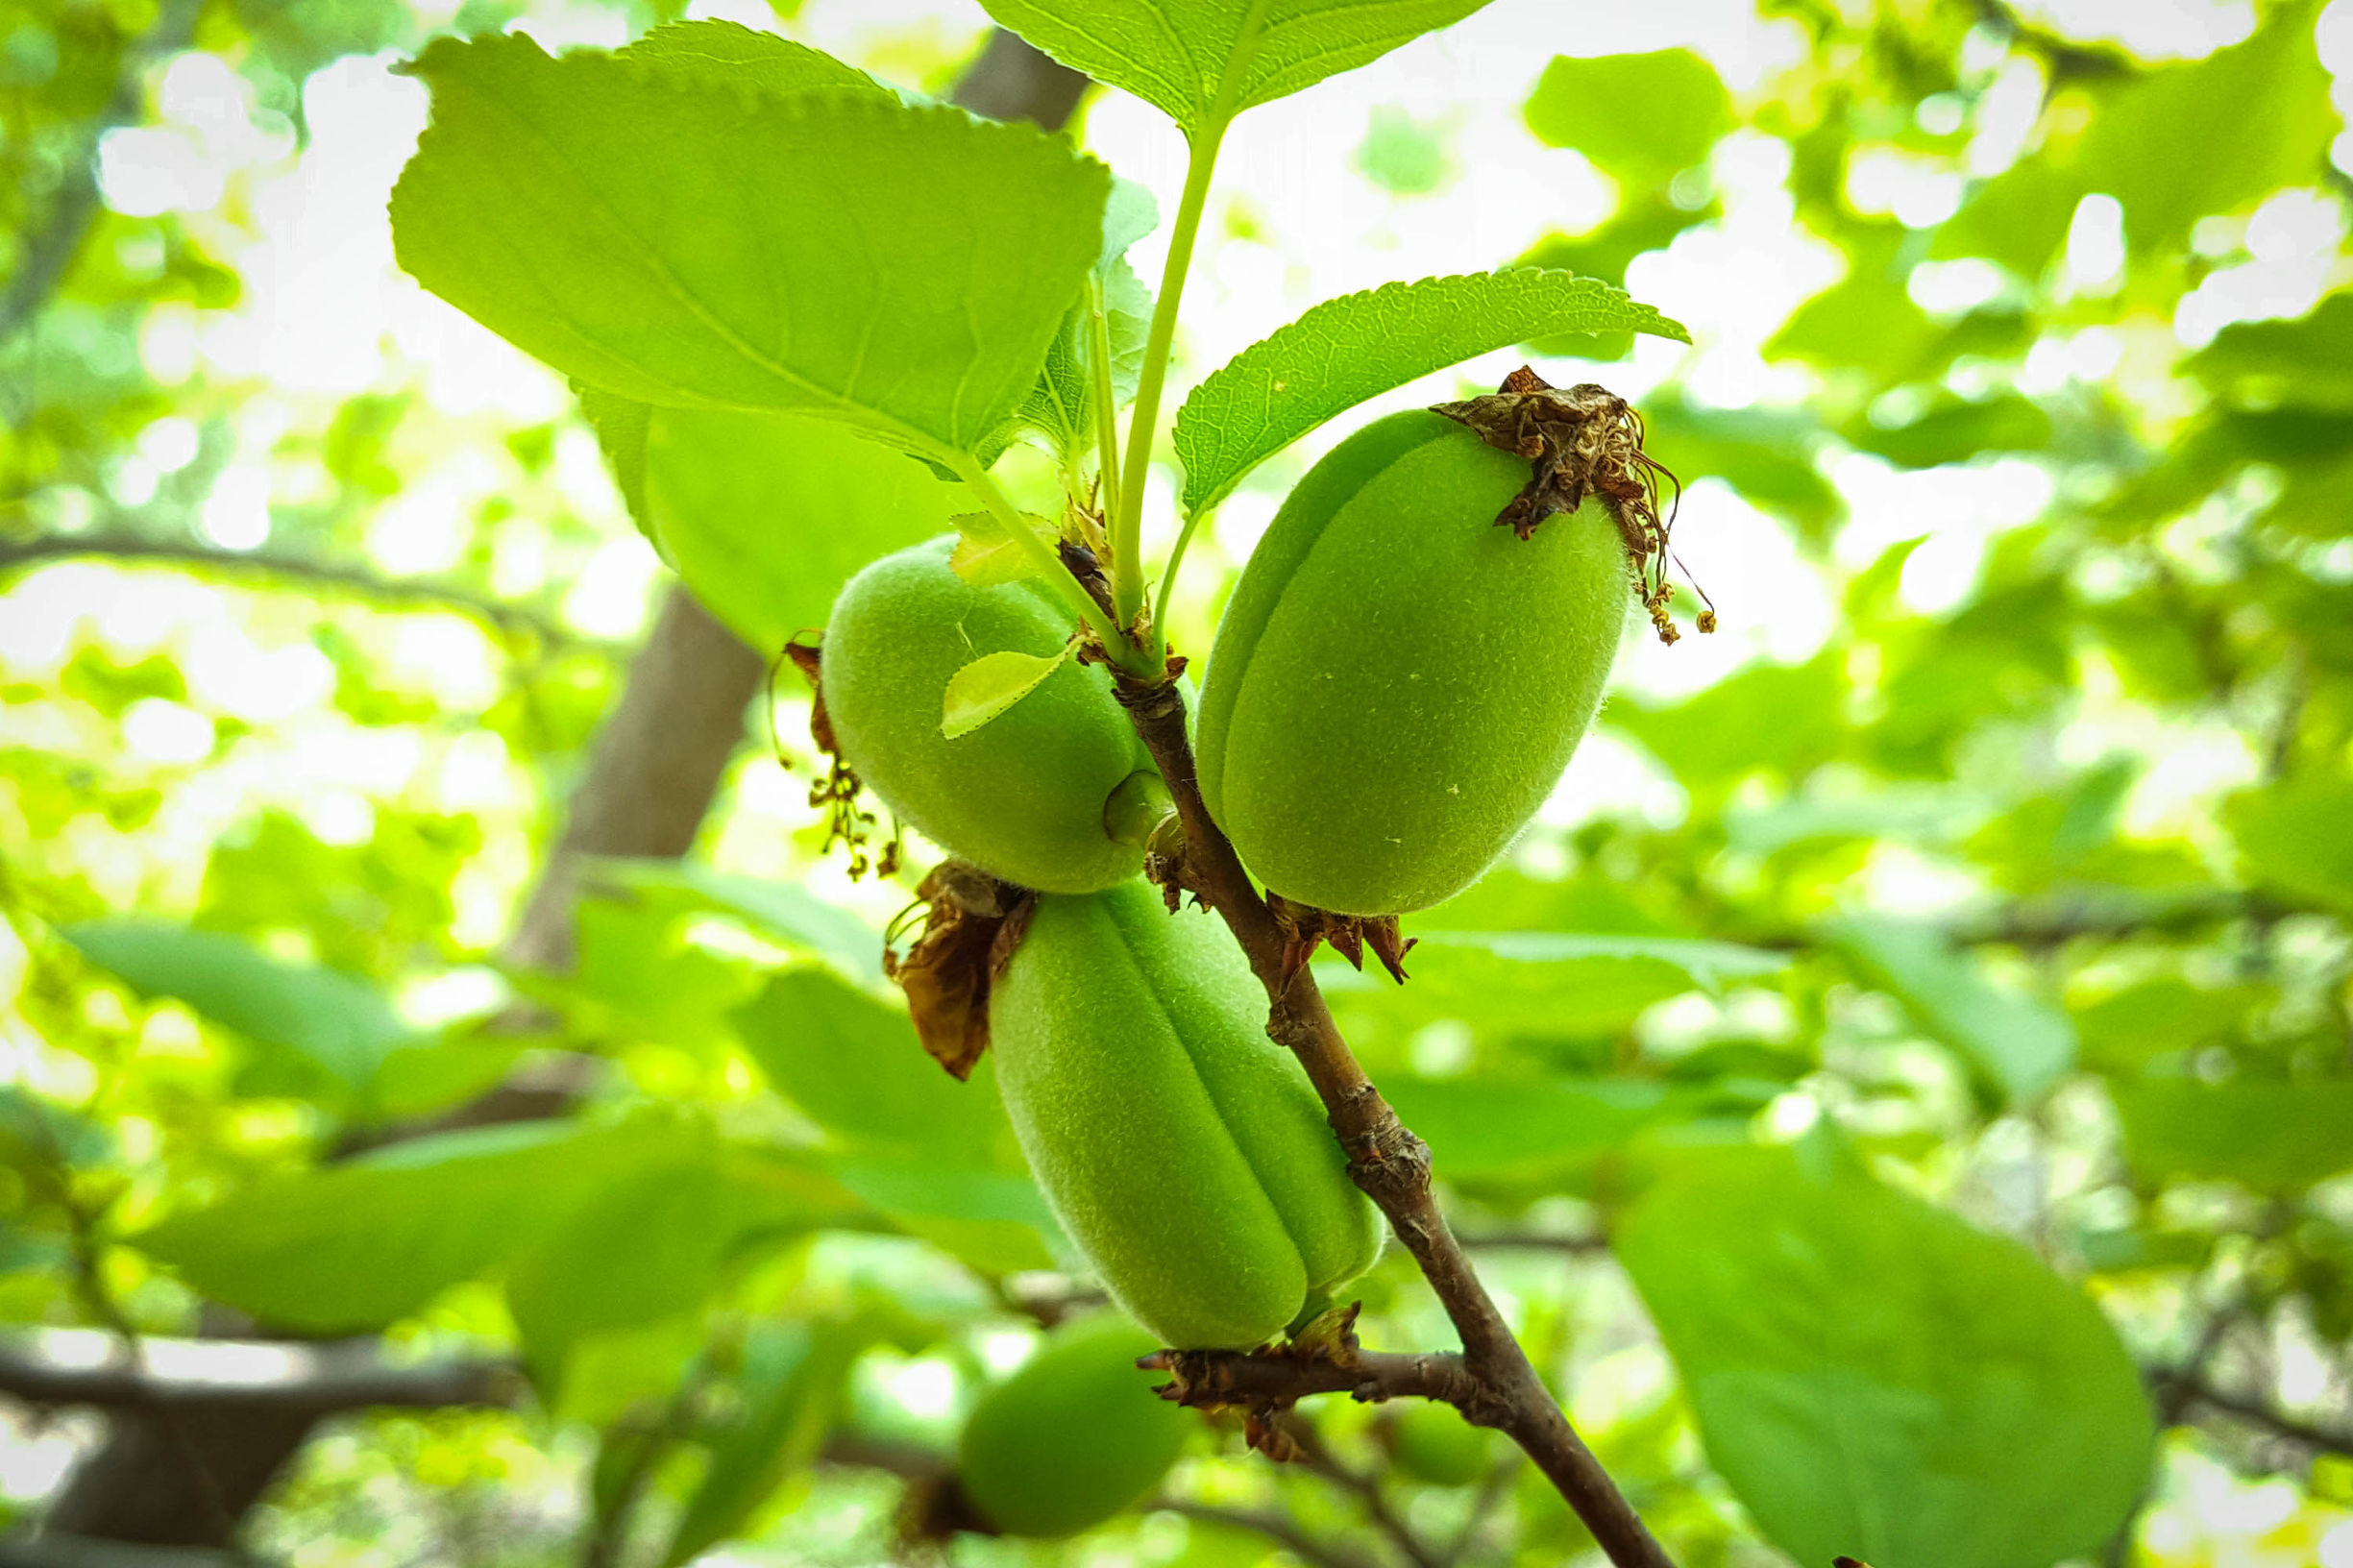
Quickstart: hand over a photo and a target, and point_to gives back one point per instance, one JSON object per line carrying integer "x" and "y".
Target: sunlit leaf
{"x": 989, "y": 685}
{"x": 1640, "y": 116}
{"x": 2294, "y": 833}
{"x": 2273, "y": 1137}
{"x": 1199, "y": 61}
{"x": 1360, "y": 346}
{"x": 549, "y": 200}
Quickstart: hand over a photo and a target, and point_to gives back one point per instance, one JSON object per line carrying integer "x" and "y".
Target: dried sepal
{"x": 1205, "y": 1380}
{"x": 971, "y": 925}
{"x": 1303, "y": 927}
{"x": 1584, "y": 440}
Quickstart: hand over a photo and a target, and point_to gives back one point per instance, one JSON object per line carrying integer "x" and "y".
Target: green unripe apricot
{"x": 1431, "y": 1442}
{"x": 1182, "y": 1149}
{"x": 1023, "y": 797}
{"x": 1072, "y": 1437}
{"x": 1397, "y": 683}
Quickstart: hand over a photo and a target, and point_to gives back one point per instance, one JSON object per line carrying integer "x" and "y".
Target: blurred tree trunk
{"x": 653, "y": 775}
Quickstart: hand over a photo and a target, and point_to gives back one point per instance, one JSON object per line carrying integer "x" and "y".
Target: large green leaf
{"x": 1489, "y": 1127}
{"x": 1203, "y": 62}
{"x": 337, "y": 1023}
{"x": 2265, "y": 364}
{"x": 1552, "y": 983}
{"x": 2273, "y": 1137}
{"x": 767, "y": 515}
{"x": 1876, "y": 1379}
{"x": 360, "y": 1246}
{"x": 2296, "y": 835}
{"x": 653, "y": 1241}
{"x": 2017, "y": 1044}
{"x": 792, "y": 1378}
{"x": 853, "y": 1065}
{"x": 782, "y": 912}
{"x": 683, "y": 242}
{"x": 2173, "y": 145}
{"x": 1360, "y": 346}
{"x": 1642, "y": 117}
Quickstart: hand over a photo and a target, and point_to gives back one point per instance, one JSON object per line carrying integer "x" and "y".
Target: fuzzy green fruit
{"x": 1431, "y": 1443}
{"x": 1023, "y": 797}
{"x": 1182, "y": 1149}
{"x": 1397, "y": 683}
{"x": 1074, "y": 1436}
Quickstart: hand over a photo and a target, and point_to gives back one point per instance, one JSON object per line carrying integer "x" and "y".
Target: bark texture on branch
{"x": 1387, "y": 1161}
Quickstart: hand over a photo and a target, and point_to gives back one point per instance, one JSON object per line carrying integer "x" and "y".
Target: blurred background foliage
{"x": 1989, "y": 875}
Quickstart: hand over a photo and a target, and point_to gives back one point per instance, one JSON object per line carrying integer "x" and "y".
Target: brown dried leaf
{"x": 972, "y": 923}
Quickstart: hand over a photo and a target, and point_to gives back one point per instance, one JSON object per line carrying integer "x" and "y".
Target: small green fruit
{"x": 1397, "y": 683}
{"x": 1023, "y": 797}
{"x": 1431, "y": 1443}
{"x": 1072, "y": 1437}
{"x": 1182, "y": 1149}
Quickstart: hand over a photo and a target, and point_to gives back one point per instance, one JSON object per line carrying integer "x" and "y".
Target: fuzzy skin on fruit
{"x": 1182, "y": 1149}
{"x": 1397, "y": 683}
{"x": 1074, "y": 1436}
{"x": 1021, "y": 797}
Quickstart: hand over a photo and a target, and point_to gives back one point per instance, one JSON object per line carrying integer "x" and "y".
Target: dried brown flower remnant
{"x": 972, "y": 923}
{"x": 837, "y": 792}
{"x": 1209, "y": 1380}
{"x": 1583, "y": 440}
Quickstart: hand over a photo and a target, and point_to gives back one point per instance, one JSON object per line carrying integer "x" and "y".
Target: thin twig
{"x": 1279, "y": 1528}
{"x": 1494, "y": 1385}
{"x": 1316, "y": 1455}
{"x": 123, "y": 546}
{"x": 2255, "y": 1413}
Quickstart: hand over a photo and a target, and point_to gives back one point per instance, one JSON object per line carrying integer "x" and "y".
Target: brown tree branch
{"x": 1496, "y": 1386}
{"x": 124, "y": 546}
{"x": 2196, "y": 1391}
{"x": 86, "y": 1366}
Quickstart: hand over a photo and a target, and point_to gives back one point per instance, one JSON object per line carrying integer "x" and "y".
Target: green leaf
{"x": 1642, "y": 117}
{"x": 2294, "y": 834}
{"x": 989, "y": 685}
{"x": 1954, "y": 430}
{"x": 853, "y": 1065}
{"x": 621, "y": 426}
{"x": 2268, "y": 364}
{"x": 898, "y": 268}
{"x": 2213, "y": 135}
{"x": 2171, "y": 145}
{"x": 767, "y": 515}
{"x": 2273, "y": 1137}
{"x": 986, "y": 555}
{"x": 718, "y": 52}
{"x": 1203, "y": 62}
{"x": 995, "y": 1220}
{"x": 1061, "y": 404}
{"x": 1878, "y": 1379}
{"x": 335, "y": 1023}
{"x": 362, "y": 1244}
{"x": 2122, "y": 1031}
{"x": 1781, "y": 717}
{"x": 793, "y": 1379}
{"x": 1360, "y": 346}
{"x": 779, "y": 911}
{"x": 1542, "y": 982}
{"x": 653, "y": 1241}
{"x": 2018, "y": 1046}
{"x": 1488, "y": 1127}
